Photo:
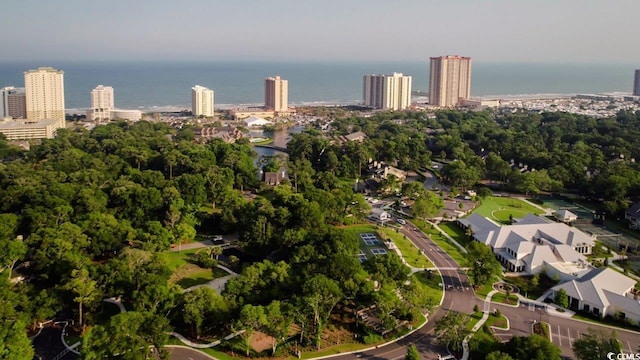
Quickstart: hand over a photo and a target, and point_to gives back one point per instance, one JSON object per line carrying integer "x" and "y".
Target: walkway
{"x": 478, "y": 325}
{"x": 217, "y": 284}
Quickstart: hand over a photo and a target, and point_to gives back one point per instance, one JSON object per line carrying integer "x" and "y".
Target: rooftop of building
{"x": 23, "y": 123}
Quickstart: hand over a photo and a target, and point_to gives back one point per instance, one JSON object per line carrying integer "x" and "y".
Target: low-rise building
{"x": 633, "y": 216}
{"x": 533, "y": 245}
{"x": 255, "y": 121}
{"x": 30, "y": 129}
{"x": 123, "y": 114}
{"x": 379, "y": 214}
{"x": 565, "y": 216}
{"x": 602, "y": 292}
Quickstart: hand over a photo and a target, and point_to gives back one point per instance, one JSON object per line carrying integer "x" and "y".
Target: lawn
{"x": 176, "y": 259}
{"x": 410, "y": 252}
{"x": 503, "y": 299}
{"x": 492, "y": 320}
{"x": 455, "y": 231}
{"x": 433, "y": 285}
{"x": 186, "y": 273}
{"x": 500, "y": 208}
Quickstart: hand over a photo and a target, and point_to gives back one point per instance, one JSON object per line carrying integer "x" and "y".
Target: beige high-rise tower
{"x": 387, "y": 92}
{"x": 276, "y": 94}
{"x": 44, "y": 90}
{"x": 202, "y": 101}
{"x": 450, "y": 80}
{"x": 102, "y": 103}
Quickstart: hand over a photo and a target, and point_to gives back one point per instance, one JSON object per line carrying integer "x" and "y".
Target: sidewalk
{"x": 462, "y": 248}
{"x": 478, "y": 325}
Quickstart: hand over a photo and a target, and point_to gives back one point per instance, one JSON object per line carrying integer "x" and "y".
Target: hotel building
{"x": 636, "y": 84}
{"x": 44, "y": 88}
{"x": 201, "y": 101}
{"x": 450, "y": 80}
{"x": 387, "y": 92}
{"x": 102, "y": 103}
{"x": 276, "y": 94}
{"x": 29, "y": 129}
{"x": 13, "y": 103}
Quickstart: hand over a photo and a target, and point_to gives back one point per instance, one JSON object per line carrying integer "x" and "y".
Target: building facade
{"x": 102, "y": 103}
{"x": 30, "y": 129}
{"x": 276, "y": 94}
{"x": 201, "y": 101}
{"x": 450, "y": 80}
{"x": 44, "y": 89}
{"x": 12, "y": 103}
{"x": 387, "y": 92}
{"x": 636, "y": 84}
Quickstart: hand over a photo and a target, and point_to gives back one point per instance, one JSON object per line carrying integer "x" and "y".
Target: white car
{"x": 401, "y": 221}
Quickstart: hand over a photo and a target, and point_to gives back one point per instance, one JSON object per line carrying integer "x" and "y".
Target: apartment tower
{"x": 44, "y": 89}
{"x": 276, "y": 94}
{"x": 201, "y": 101}
{"x": 13, "y": 103}
{"x": 387, "y": 92}
{"x": 636, "y": 84}
{"x": 450, "y": 80}
{"x": 102, "y": 103}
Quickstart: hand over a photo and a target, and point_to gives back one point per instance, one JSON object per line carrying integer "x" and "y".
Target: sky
{"x": 532, "y": 31}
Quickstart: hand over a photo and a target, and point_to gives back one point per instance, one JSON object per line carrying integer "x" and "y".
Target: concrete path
{"x": 115, "y": 301}
{"x": 207, "y": 345}
{"x": 478, "y": 325}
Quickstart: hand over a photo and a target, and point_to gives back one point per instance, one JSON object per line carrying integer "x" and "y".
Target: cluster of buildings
{"x": 276, "y": 101}
{"x": 449, "y": 85}
{"x": 103, "y": 107}
{"x": 534, "y": 245}
{"x": 37, "y": 110}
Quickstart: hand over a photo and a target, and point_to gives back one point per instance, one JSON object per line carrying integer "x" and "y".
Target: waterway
{"x": 280, "y": 139}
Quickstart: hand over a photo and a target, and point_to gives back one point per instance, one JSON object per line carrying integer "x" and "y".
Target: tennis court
{"x": 370, "y": 239}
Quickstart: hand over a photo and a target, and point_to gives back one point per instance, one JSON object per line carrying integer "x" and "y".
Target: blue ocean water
{"x": 150, "y": 85}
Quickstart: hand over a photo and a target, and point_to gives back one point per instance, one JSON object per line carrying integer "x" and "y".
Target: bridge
{"x": 274, "y": 147}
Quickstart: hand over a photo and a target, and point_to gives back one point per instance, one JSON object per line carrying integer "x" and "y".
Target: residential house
{"x": 379, "y": 214}
{"x": 602, "y": 292}
{"x": 633, "y": 215}
{"x": 273, "y": 178}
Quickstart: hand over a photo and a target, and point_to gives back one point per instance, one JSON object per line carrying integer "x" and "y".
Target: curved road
{"x": 459, "y": 296}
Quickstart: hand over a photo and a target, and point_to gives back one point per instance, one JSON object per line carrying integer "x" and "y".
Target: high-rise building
{"x": 44, "y": 88}
{"x": 102, "y": 103}
{"x": 450, "y": 80}
{"x": 276, "y": 94}
{"x": 12, "y": 103}
{"x": 201, "y": 101}
{"x": 636, "y": 84}
{"x": 387, "y": 91}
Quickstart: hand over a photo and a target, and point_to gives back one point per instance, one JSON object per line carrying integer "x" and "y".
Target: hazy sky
{"x": 591, "y": 31}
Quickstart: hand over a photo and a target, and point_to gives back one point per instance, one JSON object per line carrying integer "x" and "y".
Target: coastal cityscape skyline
{"x": 150, "y": 86}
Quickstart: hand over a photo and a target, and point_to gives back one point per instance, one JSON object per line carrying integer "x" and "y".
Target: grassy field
{"x": 499, "y": 209}
{"x": 176, "y": 259}
{"x": 455, "y": 232}
{"x": 410, "y": 252}
{"x": 433, "y": 284}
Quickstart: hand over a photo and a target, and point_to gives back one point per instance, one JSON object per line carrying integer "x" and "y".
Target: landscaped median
{"x": 411, "y": 254}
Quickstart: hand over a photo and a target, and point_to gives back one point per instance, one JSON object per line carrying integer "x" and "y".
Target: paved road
{"x": 459, "y": 296}
{"x": 185, "y": 353}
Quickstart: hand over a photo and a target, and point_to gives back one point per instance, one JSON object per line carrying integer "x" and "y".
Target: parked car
{"x": 401, "y": 221}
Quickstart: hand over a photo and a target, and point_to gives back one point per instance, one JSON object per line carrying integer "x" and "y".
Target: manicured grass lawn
{"x": 411, "y": 254}
{"x": 176, "y": 259}
{"x": 492, "y": 320}
{"x": 433, "y": 285}
{"x": 499, "y": 209}
{"x": 502, "y": 298}
{"x": 455, "y": 231}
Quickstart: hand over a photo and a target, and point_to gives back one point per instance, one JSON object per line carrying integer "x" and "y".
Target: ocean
{"x": 167, "y": 85}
